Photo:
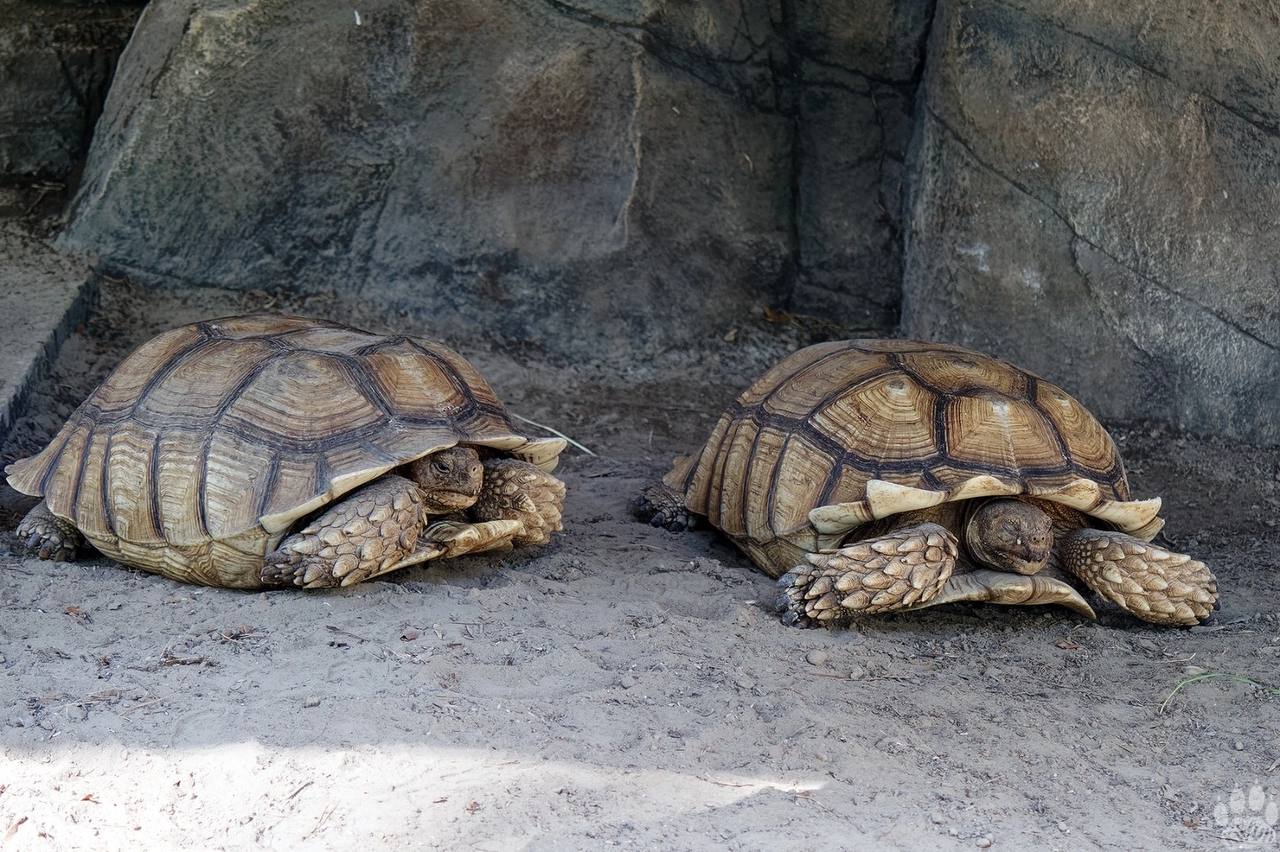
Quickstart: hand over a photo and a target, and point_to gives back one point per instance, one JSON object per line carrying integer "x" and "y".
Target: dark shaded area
{"x": 56, "y": 63}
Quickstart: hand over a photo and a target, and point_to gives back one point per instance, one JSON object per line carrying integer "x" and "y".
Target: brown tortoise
{"x": 268, "y": 450}
{"x": 881, "y": 475}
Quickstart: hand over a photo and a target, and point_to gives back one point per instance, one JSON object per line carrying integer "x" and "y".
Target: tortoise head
{"x": 1010, "y": 535}
{"x": 450, "y": 479}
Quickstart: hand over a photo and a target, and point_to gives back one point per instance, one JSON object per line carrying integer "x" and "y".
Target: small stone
{"x": 937, "y": 818}
{"x": 984, "y": 842}
{"x": 1192, "y": 671}
{"x": 1239, "y": 745}
{"x": 857, "y": 672}
{"x": 311, "y": 701}
{"x": 409, "y": 635}
{"x": 891, "y": 745}
{"x": 743, "y": 682}
{"x": 817, "y": 657}
{"x": 626, "y": 681}
{"x": 77, "y": 713}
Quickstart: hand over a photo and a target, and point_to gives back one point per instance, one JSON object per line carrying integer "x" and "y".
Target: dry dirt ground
{"x": 624, "y": 686}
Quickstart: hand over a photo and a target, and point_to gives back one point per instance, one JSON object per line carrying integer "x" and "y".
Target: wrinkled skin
{"x": 450, "y": 480}
{"x": 1011, "y": 535}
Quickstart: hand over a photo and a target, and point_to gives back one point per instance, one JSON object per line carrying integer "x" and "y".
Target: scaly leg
{"x": 366, "y": 533}
{"x": 662, "y": 506}
{"x": 882, "y": 574}
{"x": 516, "y": 490}
{"x": 1149, "y": 582}
{"x": 46, "y": 535}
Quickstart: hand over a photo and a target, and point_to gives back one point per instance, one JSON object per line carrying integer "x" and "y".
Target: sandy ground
{"x": 624, "y": 686}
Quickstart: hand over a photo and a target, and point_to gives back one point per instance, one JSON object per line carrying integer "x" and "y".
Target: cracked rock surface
{"x": 1088, "y": 191}
{"x": 1099, "y": 204}
{"x": 56, "y": 61}
{"x": 583, "y": 176}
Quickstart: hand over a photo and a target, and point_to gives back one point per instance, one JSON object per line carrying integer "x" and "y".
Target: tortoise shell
{"x": 194, "y": 457}
{"x": 846, "y": 432}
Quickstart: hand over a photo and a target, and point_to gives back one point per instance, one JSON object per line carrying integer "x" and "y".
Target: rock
{"x": 311, "y": 701}
{"x": 984, "y": 842}
{"x": 817, "y": 657}
{"x": 550, "y": 174}
{"x": 77, "y": 712}
{"x": 857, "y": 65}
{"x": 891, "y": 745}
{"x": 1088, "y": 202}
{"x": 857, "y": 672}
{"x": 1193, "y": 671}
{"x": 56, "y": 61}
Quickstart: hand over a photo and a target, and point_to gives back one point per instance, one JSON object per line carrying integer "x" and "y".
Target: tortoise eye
{"x": 440, "y": 466}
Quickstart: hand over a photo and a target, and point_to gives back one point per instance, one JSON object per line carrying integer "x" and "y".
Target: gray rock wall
{"x": 56, "y": 61}
{"x": 1097, "y": 197}
{"x": 609, "y": 176}
{"x": 1086, "y": 188}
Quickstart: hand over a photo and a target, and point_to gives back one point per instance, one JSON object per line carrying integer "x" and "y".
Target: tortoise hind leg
{"x": 882, "y": 574}
{"x": 1149, "y": 582}
{"x": 662, "y": 506}
{"x": 46, "y": 535}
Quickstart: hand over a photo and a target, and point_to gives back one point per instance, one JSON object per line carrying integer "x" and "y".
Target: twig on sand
{"x": 724, "y": 783}
{"x": 347, "y": 633}
{"x": 145, "y": 704}
{"x": 555, "y": 432}
{"x": 1164, "y": 705}
{"x": 324, "y": 817}
{"x": 299, "y": 790}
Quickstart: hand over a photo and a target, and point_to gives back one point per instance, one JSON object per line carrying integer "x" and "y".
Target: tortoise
{"x": 871, "y": 476}
{"x": 262, "y": 450}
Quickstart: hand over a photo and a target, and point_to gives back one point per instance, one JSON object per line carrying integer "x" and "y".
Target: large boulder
{"x": 56, "y": 61}
{"x": 613, "y": 176}
{"x": 1096, "y": 196}
{"x": 589, "y": 179}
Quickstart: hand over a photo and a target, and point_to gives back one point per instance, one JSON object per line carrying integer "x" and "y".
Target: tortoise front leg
{"x": 46, "y": 535}
{"x": 882, "y": 574}
{"x": 515, "y": 490}
{"x": 367, "y": 533}
{"x": 1151, "y": 583}
{"x": 449, "y": 538}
